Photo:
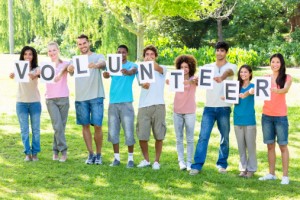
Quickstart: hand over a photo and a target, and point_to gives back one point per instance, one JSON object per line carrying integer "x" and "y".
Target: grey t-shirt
{"x": 87, "y": 88}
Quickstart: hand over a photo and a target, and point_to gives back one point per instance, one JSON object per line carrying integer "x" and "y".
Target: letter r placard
{"x": 262, "y": 89}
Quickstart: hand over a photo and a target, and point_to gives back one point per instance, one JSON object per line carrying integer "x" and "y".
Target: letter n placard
{"x": 146, "y": 72}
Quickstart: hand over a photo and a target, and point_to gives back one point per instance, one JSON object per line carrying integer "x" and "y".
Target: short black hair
{"x": 83, "y": 36}
{"x": 123, "y": 46}
{"x": 222, "y": 45}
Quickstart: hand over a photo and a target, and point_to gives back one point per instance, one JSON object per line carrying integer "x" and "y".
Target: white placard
{"x": 21, "y": 71}
{"x": 231, "y": 91}
{"x": 206, "y": 77}
{"x": 262, "y": 88}
{"x": 81, "y": 64}
{"x": 146, "y": 72}
{"x": 176, "y": 79}
{"x": 47, "y": 72}
{"x": 114, "y": 64}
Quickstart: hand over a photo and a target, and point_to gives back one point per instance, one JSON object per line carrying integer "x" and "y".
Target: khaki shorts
{"x": 151, "y": 117}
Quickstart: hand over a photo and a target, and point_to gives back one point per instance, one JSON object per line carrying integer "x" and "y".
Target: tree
{"x": 138, "y": 15}
{"x": 11, "y": 26}
{"x": 220, "y": 14}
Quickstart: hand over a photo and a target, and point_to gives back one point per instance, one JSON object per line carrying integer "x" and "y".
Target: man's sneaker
{"x": 222, "y": 170}
{"x": 156, "y": 166}
{"x": 242, "y": 174}
{"x": 90, "y": 160}
{"x": 194, "y": 172}
{"x": 285, "y": 180}
{"x": 249, "y": 174}
{"x": 182, "y": 165}
{"x": 55, "y": 157}
{"x": 98, "y": 159}
{"x": 130, "y": 164}
{"x": 115, "y": 163}
{"x": 144, "y": 163}
{"x": 34, "y": 158}
{"x": 268, "y": 177}
{"x": 27, "y": 158}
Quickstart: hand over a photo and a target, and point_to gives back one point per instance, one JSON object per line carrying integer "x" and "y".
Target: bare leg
{"x": 87, "y": 138}
{"x": 285, "y": 159}
{"x": 144, "y": 148}
{"x": 271, "y": 158}
{"x": 98, "y": 138}
{"x": 116, "y": 148}
{"x": 158, "y": 149}
{"x": 130, "y": 149}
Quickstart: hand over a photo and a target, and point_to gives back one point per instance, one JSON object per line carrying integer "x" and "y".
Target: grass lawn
{"x": 47, "y": 179}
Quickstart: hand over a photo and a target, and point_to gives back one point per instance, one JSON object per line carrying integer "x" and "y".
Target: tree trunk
{"x": 220, "y": 34}
{"x": 11, "y": 26}
{"x": 140, "y": 44}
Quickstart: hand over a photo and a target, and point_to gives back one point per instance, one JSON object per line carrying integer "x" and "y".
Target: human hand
{"x": 12, "y": 75}
{"x": 146, "y": 86}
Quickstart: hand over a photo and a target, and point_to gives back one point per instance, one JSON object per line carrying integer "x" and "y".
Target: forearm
{"x": 227, "y": 73}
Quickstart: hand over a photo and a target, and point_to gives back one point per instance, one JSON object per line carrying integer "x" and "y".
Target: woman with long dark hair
{"x": 274, "y": 118}
{"x": 29, "y": 105}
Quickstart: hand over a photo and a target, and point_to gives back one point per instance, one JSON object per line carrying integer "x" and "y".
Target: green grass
{"x": 47, "y": 179}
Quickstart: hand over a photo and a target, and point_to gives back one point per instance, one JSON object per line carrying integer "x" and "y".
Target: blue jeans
{"x": 24, "y": 111}
{"x": 210, "y": 115}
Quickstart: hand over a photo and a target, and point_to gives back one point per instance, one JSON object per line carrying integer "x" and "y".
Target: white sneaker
{"x": 188, "y": 166}
{"x": 268, "y": 177}
{"x": 144, "y": 163}
{"x": 285, "y": 180}
{"x": 182, "y": 165}
{"x": 156, "y": 166}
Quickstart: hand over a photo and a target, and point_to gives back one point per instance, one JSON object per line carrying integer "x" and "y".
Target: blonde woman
{"x": 57, "y": 100}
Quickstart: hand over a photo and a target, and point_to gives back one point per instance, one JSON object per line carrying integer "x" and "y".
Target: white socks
{"x": 130, "y": 156}
{"x": 117, "y": 156}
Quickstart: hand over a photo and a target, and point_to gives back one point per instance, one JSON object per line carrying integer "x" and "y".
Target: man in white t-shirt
{"x": 152, "y": 111}
{"x": 215, "y": 110}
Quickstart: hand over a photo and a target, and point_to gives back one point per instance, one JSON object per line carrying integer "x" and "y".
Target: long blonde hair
{"x": 56, "y": 45}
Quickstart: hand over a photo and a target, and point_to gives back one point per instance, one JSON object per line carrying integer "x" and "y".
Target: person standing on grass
{"x": 57, "y": 101}
{"x": 89, "y": 97}
{"x": 29, "y": 105}
{"x": 245, "y": 123}
{"x": 152, "y": 111}
{"x": 215, "y": 110}
{"x": 120, "y": 110}
{"x": 274, "y": 118}
{"x": 185, "y": 110}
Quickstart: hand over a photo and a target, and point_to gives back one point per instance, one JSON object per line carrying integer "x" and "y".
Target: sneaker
{"x": 98, "y": 159}
{"x": 90, "y": 160}
{"x": 188, "y": 166}
{"x": 285, "y": 180}
{"x": 115, "y": 163}
{"x": 27, "y": 158}
{"x": 34, "y": 158}
{"x": 63, "y": 158}
{"x": 194, "y": 172}
{"x": 243, "y": 174}
{"x": 144, "y": 163}
{"x": 222, "y": 170}
{"x": 182, "y": 166}
{"x": 156, "y": 166}
{"x": 268, "y": 177}
{"x": 130, "y": 164}
{"x": 55, "y": 157}
{"x": 249, "y": 174}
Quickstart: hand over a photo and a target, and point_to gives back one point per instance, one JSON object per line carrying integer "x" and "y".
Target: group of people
{"x": 89, "y": 97}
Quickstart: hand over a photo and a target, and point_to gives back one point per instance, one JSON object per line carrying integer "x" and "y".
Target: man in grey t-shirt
{"x": 89, "y": 96}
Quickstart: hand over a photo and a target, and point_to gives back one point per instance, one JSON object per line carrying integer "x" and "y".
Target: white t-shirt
{"x": 155, "y": 94}
{"x": 213, "y": 96}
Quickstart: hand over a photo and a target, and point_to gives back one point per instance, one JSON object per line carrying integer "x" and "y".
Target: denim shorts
{"x": 89, "y": 112}
{"x": 121, "y": 114}
{"x": 273, "y": 127}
